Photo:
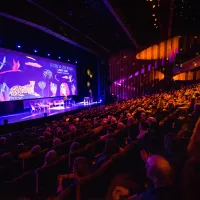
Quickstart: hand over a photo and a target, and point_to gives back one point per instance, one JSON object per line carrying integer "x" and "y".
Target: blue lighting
{"x": 76, "y": 62}
{"x": 100, "y": 100}
{"x": 35, "y": 51}
{"x": 48, "y": 54}
{"x": 59, "y": 57}
{"x": 19, "y": 46}
{"x": 68, "y": 60}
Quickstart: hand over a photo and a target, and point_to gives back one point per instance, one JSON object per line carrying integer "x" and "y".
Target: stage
{"x": 53, "y": 111}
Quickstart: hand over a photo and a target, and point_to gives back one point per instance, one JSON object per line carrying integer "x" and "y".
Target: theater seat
{"x": 63, "y": 148}
{"x": 46, "y": 177}
{"x": 34, "y": 161}
{"x": 23, "y": 185}
{"x": 96, "y": 184}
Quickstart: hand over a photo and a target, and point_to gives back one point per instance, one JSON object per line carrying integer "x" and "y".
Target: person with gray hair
{"x": 160, "y": 172}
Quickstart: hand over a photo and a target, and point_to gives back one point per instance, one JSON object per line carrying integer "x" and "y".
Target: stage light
{"x": 76, "y": 62}
{"x": 35, "y": 51}
{"x": 59, "y": 57}
{"x": 100, "y": 100}
{"x": 68, "y": 60}
{"x": 48, "y": 54}
{"x": 19, "y": 46}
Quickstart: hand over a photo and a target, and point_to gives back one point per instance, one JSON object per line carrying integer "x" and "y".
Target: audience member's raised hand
{"x": 144, "y": 155}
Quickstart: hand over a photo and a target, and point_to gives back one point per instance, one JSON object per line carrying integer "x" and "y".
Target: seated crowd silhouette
{"x": 147, "y": 148}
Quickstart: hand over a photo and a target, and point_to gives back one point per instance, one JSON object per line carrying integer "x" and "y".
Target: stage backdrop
{"x": 24, "y": 76}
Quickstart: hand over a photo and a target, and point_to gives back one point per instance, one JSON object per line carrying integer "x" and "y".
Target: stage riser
{"x": 17, "y": 106}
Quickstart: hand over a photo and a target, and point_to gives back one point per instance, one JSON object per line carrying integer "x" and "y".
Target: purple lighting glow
{"x": 136, "y": 73}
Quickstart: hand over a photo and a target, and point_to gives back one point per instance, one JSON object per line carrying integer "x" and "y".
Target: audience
{"x": 163, "y": 127}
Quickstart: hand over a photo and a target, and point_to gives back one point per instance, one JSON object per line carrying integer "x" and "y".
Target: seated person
{"x": 110, "y": 131}
{"x": 80, "y": 169}
{"x": 160, "y": 173}
{"x": 56, "y": 142}
{"x": 35, "y": 150}
{"x": 50, "y": 158}
{"x": 111, "y": 148}
{"x": 74, "y": 147}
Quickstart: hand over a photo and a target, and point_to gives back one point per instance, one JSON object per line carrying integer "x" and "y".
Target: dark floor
{"x": 25, "y": 116}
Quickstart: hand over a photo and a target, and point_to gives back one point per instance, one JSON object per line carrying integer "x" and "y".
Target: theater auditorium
{"x": 99, "y": 100}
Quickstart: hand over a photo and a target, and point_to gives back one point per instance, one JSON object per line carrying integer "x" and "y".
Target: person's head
{"x": 59, "y": 133}
{"x": 74, "y": 147}
{"x": 36, "y": 149}
{"x": 47, "y": 135}
{"x": 6, "y": 158}
{"x": 73, "y": 129}
{"x": 143, "y": 116}
{"x": 113, "y": 120}
{"x": 48, "y": 129}
{"x": 120, "y": 126}
{"x": 159, "y": 171}
{"x": 80, "y": 167}
{"x": 56, "y": 142}
{"x": 130, "y": 120}
{"x": 110, "y": 130}
{"x": 5, "y": 121}
{"x": 2, "y": 140}
{"x": 111, "y": 147}
{"x": 41, "y": 138}
{"x": 50, "y": 157}
{"x": 151, "y": 120}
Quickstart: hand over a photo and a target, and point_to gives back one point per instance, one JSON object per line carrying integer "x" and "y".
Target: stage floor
{"x": 25, "y": 116}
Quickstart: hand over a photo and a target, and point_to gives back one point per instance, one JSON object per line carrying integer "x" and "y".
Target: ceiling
{"x": 105, "y": 27}
{"x": 137, "y": 15}
{"x": 87, "y": 22}
{"x": 186, "y": 17}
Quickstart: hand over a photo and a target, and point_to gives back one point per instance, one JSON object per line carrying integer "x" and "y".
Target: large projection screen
{"x": 24, "y": 76}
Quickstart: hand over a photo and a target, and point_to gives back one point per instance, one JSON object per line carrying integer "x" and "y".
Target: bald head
{"x": 159, "y": 171}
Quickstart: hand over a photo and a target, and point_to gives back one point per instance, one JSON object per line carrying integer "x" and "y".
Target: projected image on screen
{"x": 27, "y": 77}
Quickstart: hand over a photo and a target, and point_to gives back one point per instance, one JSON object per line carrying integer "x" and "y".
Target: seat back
{"x": 63, "y": 148}
{"x": 86, "y": 152}
{"x": 34, "y": 161}
{"x": 96, "y": 184}
{"x": 46, "y": 177}
{"x": 23, "y": 185}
